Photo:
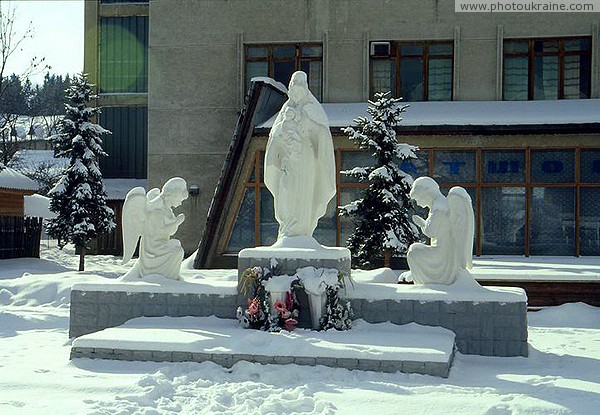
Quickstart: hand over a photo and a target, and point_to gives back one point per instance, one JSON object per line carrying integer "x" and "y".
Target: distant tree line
{"x": 24, "y": 98}
{"x": 28, "y": 110}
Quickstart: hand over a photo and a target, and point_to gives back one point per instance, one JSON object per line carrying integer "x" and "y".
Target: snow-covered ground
{"x": 561, "y": 375}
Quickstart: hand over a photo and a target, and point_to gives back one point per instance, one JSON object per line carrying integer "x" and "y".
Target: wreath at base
{"x": 261, "y": 313}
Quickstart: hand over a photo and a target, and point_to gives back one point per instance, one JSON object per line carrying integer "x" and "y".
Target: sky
{"x": 57, "y": 35}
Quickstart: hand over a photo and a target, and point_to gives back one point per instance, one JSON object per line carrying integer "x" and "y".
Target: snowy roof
{"x": 38, "y": 157}
{"x": 12, "y": 179}
{"x": 38, "y": 206}
{"x": 276, "y": 84}
{"x": 116, "y": 189}
{"x": 475, "y": 113}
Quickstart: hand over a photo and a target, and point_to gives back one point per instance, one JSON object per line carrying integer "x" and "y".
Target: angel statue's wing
{"x": 134, "y": 215}
{"x": 153, "y": 194}
{"x": 463, "y": 222}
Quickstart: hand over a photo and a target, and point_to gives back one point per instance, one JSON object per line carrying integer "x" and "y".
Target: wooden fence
{"x": 20, "y": 237}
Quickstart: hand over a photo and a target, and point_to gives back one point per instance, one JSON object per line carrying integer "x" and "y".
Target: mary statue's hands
{"x": 419, "y": 221}
{"x": 180, "y": 219}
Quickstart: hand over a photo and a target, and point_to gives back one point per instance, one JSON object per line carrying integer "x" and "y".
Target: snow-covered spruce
{"x": 381, "y": 216}
{"x": 337, "y": 315}
{"x": 79, "y": 197}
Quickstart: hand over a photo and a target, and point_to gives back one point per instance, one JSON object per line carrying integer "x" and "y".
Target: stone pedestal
{"x": 289, "y": 254}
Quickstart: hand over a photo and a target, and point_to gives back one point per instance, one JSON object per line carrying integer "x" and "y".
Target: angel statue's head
{"x": 174, "y": 191}
{"x": 424, "y": 191}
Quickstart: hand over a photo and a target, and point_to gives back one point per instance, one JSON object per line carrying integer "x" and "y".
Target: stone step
{"x": 382, "y": 347}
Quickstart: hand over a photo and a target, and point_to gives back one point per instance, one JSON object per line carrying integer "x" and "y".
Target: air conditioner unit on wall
{"x": 380, "y": 48}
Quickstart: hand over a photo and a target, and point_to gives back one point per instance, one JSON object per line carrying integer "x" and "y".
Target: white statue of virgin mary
{"x": 299, "y": 161}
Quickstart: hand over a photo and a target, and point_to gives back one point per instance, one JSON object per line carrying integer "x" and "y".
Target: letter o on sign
{"x": 552, "y": 166}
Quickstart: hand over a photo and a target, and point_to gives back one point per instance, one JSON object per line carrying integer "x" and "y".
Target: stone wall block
{"x": 191, "y": 310}
{"x": 284, "y": 360}
{"x": 224, "y": 360}
{"x": 305, "y": 361}
{"x": 509, "y": 321}
{"x": 84, "y": 309}
{"x": 102, "y": 353}
{"x": 378, "y": 306}
{"x": 327, "y": 361}
{"x": 347, "y": 363}
{"x": 84, "y": 297}
{"x": 201, "y": 357}
{"x": 500, "y": 348}
{"x": 174, "y": 311}
{"x": 427, "y": 319}
{"x": 462, "y": 345}
{"x": 123, "y": 354}
{"x": 160, "y": 356}
{"x": 369, "y": 364}
{"x": 173, "y": 299}
{"x": 134, "y": 298}
{"x": 110, "y": 297}
{"x": 243, "y": 358}
{"x": 154, "y": 310}
{"x": 142, "y": 355}
{"x": 224, "y": 311}
{"x": 262, "y": 359}
{"x": 413, "y": 367}
{"x": 375, "y": 316}
{"x": 486, "y": 329}
{"x": 390, "y": 366}
{"x": 436, "y": 369}
{"x": 450, "y": 321}
{"x": 454, "y": 307}
{"x": 426, "y": 307}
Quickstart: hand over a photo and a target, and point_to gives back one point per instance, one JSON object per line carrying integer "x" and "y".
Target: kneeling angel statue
{"x": 450, "y": 227}
{"x": 149, "y": 218}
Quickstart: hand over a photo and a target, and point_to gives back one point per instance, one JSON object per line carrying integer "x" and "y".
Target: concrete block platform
{"x": 383, "y": 347}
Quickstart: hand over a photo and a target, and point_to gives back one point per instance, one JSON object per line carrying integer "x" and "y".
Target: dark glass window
{"x": 589, "y": 221}
{"x": 503, "y": 220}
{"x": 455, "y": 166}
{"x": 552, "y": 166}
{"x": 243, "y": 231}
{"x": 590, "y": 166}
{"x": 552, "y": 229}
{"x": 547, "y": 69}
{"x": 124, "y": 54}
{"x": 127, "y": 146}
{"x": 415, "y": 71}
{"x": 504, "y": 166}
{"x": 517, "y": 212}
{"x": 280, "y": 61}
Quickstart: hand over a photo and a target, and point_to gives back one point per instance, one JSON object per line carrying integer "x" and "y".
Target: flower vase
{"x": 277, "y": 296}
{"x": 317, "y": 307}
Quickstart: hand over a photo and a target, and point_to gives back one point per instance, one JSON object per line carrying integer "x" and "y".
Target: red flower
{"x": 290, "y": 323}
{"x": 253, "y": 307}
{"x": 280, "y": 307}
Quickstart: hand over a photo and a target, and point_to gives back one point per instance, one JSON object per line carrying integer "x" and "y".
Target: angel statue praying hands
{"x": 450, "y": 226}
{"x": 151, "y": 218}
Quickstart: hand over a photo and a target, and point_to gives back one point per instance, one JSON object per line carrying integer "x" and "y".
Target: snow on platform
{"x": 383, "y": 347}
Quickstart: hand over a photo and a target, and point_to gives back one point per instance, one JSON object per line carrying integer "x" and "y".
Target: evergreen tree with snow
{"x": 381, "y": 216}
{"x": 79, "y": 197}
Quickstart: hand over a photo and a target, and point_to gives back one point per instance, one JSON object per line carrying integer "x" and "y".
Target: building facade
{"x": 535, "y": 182}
